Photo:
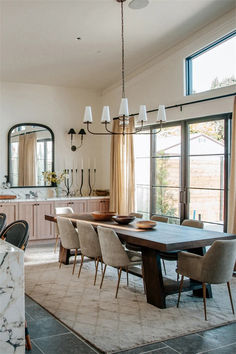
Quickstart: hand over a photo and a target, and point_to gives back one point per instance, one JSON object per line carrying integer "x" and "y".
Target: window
{"x": 187, "y": 174}
{"x": 213, "y": 66}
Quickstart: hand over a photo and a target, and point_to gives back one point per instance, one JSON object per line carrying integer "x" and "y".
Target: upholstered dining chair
{"x": 60, "y": 211}
{"x": 137, "y": 215}
{"x": 3, "y": 218}
{"x": 215, "y": 267}
{"x": 159, "y": 218}
{"x": 69, "y": 237}
{"x": 114, "y": 254}
{"x": 173, "y": 255}
{"x": 89, "y": 245}
{"x": 17, "y": 233}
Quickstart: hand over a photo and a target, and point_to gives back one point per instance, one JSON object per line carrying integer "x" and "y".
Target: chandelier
{"x": 124, "y": 117}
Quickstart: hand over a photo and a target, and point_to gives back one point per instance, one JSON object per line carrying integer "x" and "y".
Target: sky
{"x": 218, "y": 62}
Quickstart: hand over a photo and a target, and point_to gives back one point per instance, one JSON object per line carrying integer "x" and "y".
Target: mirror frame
{"x": 9, "y": 152}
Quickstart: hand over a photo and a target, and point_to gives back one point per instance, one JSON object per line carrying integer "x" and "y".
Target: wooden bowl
{"x": 102, "y": 215}
{"x": 145, "y": 224}
{"x": 123, "y": 219}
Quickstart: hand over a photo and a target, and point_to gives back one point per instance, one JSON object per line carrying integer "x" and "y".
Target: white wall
{"x": 162, "y": 80}
{"x": 60, "y": 109}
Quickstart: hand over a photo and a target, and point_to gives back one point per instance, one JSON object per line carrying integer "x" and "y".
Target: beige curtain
{"x": 27, "y": 159}
{"x": 232, "y": 185}
{"x": 122, "y": 170}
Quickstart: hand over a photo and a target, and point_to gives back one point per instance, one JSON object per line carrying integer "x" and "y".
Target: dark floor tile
{"x": 224, "y": 335}
{"x": 67, "y": 343}
{"x": 29, "y": 301}
{"x": 28, "y": 317}
{"x": 36, "y": 312}
{"x": 192, "y": 344}
{"x": 143, "y": 348}
{"x": 45, "y": 327}
{"x": 35, "y": 350}
{"x": 165, "y": 350}
{"x": 229, "y": 349}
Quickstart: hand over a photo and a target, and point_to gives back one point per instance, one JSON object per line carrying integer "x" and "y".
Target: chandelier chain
{"x": 123, "y": 50}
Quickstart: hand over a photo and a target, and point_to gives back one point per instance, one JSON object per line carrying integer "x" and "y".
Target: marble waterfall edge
{"x": 12, "y": 303}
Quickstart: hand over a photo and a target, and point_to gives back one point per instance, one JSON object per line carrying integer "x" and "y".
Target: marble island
{"x": 12, "y": 306}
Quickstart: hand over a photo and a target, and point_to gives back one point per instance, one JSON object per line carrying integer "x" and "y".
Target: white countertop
{"x": 50, "y": 199}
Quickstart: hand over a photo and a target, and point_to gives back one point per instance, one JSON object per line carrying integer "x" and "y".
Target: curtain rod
{"x": 185, "y": 104}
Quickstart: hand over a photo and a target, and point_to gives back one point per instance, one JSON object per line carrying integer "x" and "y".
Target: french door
{"x": 185, "y": 174}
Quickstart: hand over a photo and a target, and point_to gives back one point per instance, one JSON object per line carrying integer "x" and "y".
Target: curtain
{"x": 27, "y": 159}
{"x": 122, "y": 170}
{"x": 232, "y": 185}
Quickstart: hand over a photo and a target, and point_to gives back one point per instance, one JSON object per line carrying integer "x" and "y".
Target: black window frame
{"x": 188, "y": 60}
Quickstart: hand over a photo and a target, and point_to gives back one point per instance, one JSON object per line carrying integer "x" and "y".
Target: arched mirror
{"x": 30, "y": 153}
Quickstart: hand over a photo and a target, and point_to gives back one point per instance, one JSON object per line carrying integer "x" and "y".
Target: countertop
{"x": 56, "y": 199}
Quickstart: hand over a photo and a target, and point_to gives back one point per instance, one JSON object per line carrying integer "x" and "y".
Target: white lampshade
{"x": 142, "y": 113}
{"x": 124, "y": 109}
{"x": 106, "y": 115}
{"x": 161, "y": 115}
{"x": 88, "y": 118}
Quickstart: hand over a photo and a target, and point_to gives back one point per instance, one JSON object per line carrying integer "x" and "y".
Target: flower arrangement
{"x": 52, "y": 177}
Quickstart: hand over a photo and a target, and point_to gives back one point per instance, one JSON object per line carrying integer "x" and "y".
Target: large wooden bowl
{"x": 102, "y": 215}
{"x": 123, "y": 219}
{"x": 145, "y": 224}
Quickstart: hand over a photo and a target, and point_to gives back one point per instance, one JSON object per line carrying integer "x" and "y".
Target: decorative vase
{"x": 58, "y": 191}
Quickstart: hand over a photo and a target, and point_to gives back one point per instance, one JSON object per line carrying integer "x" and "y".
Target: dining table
{"x": 164, "y": 237}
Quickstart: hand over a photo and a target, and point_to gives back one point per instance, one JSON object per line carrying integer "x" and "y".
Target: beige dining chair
{"x": 159, "y": 218}
{"x": 89, "y": 245}
{"x": 173, "y": 255}
{"x": 60, "y": 211}
{"x": 69, "y": 237}
{"x": 215, "y": 267}
{"x": 114, "y": 254}
{"x": 137, "y": 215}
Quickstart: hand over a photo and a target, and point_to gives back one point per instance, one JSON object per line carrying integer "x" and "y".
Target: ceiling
{"x": 38, "y": 37}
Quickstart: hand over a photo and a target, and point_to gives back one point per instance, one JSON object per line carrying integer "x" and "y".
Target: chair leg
{"x": 56, "y": 243}
{"x": 118, "y": 283}
{"x": 180, "y": 289}
{"x": 96, "y": 270}
{"x": 62, "y": 256}
{"x": 144, "y": 284}
{"x": 28, "y": 345}
{"x": 103, "y": 274}
{"x": 74, "y": 261}
{"x": 81, "y": 264}
{"x": 164, "y": 266}
{"x": 204, "y": 299}
{"x": 230, "y": 296}
{"x": 127, "y": 276}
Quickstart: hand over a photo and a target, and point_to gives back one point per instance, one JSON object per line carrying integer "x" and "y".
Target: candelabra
{"x": 91, "y": 187}
{"x": 82, "y": 181}
{"x": 68, "y": 181}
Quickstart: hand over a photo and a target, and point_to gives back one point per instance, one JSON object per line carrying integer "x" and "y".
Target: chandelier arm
{"x": 93, "y": 132}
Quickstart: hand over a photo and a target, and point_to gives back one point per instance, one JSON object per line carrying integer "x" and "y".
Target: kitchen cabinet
{"x": 26, "y": 212}
{"x": 98, "y": 205}
{"x": 42, "y": 228}
{"x": 11, "y": 211}
{"x": 78, "y": 206}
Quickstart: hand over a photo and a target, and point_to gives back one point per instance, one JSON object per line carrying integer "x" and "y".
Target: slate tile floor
{"x": 49, "y": 336}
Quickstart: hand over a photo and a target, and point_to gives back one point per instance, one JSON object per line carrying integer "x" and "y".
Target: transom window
{"x": 213, "y": 66}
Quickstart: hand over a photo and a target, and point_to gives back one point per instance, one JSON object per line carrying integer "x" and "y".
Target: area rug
{"x": 117, "y": 324}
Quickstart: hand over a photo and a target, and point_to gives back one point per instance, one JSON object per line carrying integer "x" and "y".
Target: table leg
{"x": 155, "y": 292}
{"x": 64, "y": 255}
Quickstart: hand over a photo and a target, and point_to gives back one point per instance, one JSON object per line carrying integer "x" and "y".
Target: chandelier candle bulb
{"x": 88, "y": 118}
{"x": 124, "y": 109}
{"x": 161, "y": 114}
{"x": 142, "y": 114}
{"x": 106, "y": 115}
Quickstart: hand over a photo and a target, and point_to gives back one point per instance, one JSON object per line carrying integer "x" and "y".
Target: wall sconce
{"x": 72, "y": 132}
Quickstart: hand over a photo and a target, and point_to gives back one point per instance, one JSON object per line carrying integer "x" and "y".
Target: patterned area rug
{"x": 116, "y": 324}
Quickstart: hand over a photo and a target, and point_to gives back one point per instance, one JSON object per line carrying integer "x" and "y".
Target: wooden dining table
{"x": 163, "y": 237}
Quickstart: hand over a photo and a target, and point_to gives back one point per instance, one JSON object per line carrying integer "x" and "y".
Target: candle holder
{"x": 68, "y": 181}
{"x": 82, "y": 182}
{"x": 91, "y": 185}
